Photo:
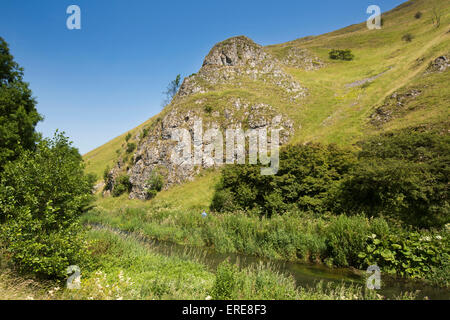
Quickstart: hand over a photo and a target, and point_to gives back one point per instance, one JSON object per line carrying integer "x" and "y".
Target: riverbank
{"x": 335, "y": 241}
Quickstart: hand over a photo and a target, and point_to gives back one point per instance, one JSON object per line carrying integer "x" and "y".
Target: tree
{"x": 42, "y": 196}
{"x": 18, "y": 114}
{"x": 436, "y": 16}
{"x": 172, "y": 89}
{"x": 345, "y": 55}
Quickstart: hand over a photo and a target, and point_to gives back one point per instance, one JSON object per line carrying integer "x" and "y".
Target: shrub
{"x": 406, "y": 253}
{"x": 128, "y": 136}
{"x": 208, "y": 109}
{"x": 345, "y": 55}
{"x": 155, "y": 184}
{"x": 42, "y": 196}
{"x": 223, "y": 200}
{"x": 18, "y": 114}
{"x": 225, "y": 283}
{"x": 345, "y": 238}
{"x": 131, "y": 146}
{"x": 121, "y": 186}
{"x": 418, "y": 15}
{"x": 408, "y": 37}
{"x": 106, "y": 174}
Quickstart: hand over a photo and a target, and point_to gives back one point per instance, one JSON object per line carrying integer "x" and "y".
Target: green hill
{"x": 390, "y": 84}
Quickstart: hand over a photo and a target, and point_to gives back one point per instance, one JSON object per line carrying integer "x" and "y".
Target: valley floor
{"x": 125, "y": 268}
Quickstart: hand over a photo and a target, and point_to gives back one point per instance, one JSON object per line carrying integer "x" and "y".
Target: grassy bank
{"x": 294, "y": 236}
{"x": 125, "y": 268}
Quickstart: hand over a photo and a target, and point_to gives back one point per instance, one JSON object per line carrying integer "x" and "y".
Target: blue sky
{"x": 103, "y": 80}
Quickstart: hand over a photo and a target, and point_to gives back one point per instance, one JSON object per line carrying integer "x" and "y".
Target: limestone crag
{"x": 228, "y": 63}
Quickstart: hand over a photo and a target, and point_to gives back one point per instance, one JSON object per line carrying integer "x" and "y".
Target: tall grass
{"x": 294, "y": 236}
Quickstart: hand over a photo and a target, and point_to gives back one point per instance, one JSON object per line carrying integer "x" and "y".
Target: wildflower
{"x": 208, "y": 298}
{"x": 438, "y": 237}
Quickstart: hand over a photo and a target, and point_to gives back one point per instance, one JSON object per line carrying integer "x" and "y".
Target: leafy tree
{"x": 345, "y": 55}
{"x": 18, "y": 115}
{"x": 42, "y": 196}
{"x": 172, "y": 89}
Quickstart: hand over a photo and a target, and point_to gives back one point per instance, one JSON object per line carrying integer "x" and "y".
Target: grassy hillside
{"x": 340, "y": 103}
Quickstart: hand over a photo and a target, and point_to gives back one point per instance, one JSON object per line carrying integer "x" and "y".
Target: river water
{"x": 305, "y": 275}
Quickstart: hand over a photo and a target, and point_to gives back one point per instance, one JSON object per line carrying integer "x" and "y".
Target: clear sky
{"x": 105, "y": 79}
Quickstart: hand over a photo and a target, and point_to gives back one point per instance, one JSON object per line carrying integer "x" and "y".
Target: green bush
{"x": 106, "y": 174}
{"x": 408, "y": 37}
{"x": 345, "y": 238}
{"x": 121, "y": 186}
{"x": 42, "y": 196}
{"x": 345, "y": 55}
{"x": 409, "y": 254}
{"x": 145, "y": 132}
{"x": 225, "y": 283}
{"x": 305, "y": 179}
{"x": 128, "y": 136}
{"x": 155, "y": 184}
{"x": 418, "y": 15}
{"x": 403, "y": 175}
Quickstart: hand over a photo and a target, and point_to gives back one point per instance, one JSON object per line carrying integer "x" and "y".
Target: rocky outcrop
{"x": 227, "y": 64}
{"x": 238, "y": 59}
{"x": 154, "y": 152}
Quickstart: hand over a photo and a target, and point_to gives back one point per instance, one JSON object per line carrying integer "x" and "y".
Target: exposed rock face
{"x": 228, "y": 63}
{"x": 440, "y": 64}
